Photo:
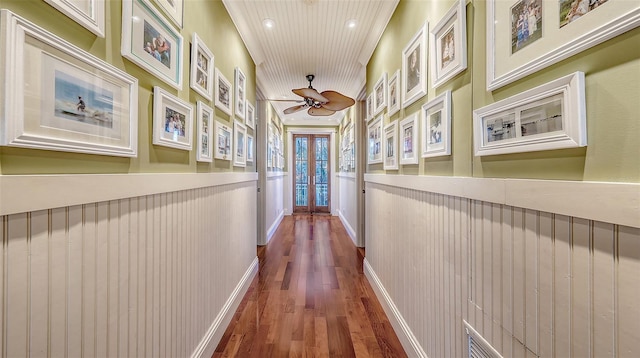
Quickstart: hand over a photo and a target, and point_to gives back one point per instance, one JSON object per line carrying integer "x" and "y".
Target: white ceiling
{"x": 310, "y": 37}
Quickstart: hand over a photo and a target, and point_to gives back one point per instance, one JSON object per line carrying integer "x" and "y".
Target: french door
{"x": 312, "y": 189}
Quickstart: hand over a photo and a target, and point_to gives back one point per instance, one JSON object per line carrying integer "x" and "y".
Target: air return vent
{"x": 478, "y": 346}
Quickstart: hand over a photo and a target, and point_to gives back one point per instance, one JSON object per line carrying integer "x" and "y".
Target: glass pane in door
{"x": 302, "y": 172}
{"x": 321, "y": 169}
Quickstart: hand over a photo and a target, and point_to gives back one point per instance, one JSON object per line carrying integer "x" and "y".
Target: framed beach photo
{"x": 369, "y": 109}
{"x": 174, "y": 9}
{"x": 380, "y": 94}
{"x": 414, "y": 67}
{"x": 391, "y": 146}
{"x": 436, "y": 126}
{"x": 249, "y": 149}
{"x": 250, "y": 121}
{"x": 394, "y": 94}
{"x": 239, "y": 144}
{"x": 550, "y": 116}
{"x": 202, "y": 67}
{"x": 409, "y": 140}
{"x": 172, "y": 120}
{"x": 525, "y": 36}
{"x": 151, "y": 43}
{"x": 88, "y": 13}
{"x": 374, "y": 141}
{"x": 224, "y": 93}
{"x": 205, "y": 120}
{"x": 56, "y": 96}
{"x": 223, "y": 141}
{"x": 449, "y": 44}
{"x": 240, "y": 93}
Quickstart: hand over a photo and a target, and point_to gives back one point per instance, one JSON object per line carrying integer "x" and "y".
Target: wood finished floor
{"x": 310, "y": 299}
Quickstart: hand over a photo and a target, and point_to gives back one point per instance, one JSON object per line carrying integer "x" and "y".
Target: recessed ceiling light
{"x": 268, "y": 23}
{"x": 352, "y": 24}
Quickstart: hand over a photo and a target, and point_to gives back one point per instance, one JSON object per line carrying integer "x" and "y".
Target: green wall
{"x": 209, "y": 19}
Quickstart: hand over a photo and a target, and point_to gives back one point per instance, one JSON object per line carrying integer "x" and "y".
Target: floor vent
{"x": 478, "y": 346}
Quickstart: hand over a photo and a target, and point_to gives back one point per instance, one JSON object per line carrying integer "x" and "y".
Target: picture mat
{"x": 165, "y": 104}
{"x": 409, "y": 154}
{"x": 205, "y": 128}
{"x": 202, "y": 67}
{"x": 436, "y": 126}
{"x": 223, "y": 93}
{"x": 223, "y": 141}
{"x": 88, "y": 13}
{"x": 174, "y": 9}
{"x": 394, "y": 90}
{"x": 454, "y": 23}
{"x": 414, "y": 88}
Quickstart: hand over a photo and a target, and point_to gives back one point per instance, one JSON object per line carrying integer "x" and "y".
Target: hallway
{"x": 310, "y": 299}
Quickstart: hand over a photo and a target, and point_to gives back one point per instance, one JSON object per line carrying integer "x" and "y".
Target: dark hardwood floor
{"x": 310, "y": 299}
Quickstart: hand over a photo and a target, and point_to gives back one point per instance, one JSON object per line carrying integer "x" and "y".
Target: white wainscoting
{"x": 149, "y": 275}
{"x": 532, "y": 283}
{"x": 274, "y": 208}
{"x": 347, "y": 210}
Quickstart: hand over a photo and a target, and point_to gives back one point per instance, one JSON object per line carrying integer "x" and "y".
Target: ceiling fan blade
{"x": 337, "y": 101}
{"x": 286, "y": 100}
{"x": 310, "y": 93}
{"x": 313, "y": 111}
{"x": 294, "y": 109}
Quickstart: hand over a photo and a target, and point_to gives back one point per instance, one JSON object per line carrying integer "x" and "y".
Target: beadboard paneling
{"x": 348, "y": 201}
{"x": 275, "y": 206}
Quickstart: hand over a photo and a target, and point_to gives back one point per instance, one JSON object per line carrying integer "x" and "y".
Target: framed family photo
{"x": 394, "y": 94}
{"x": 205, "y": 145}
{"x": 449, "y": 45}
{"x": 249, "y": 149}
{"x": 224, "y": 93}
{"x": 525, "y": 36}
{"x": 391, "y": 146}
{"x": 172, "y": 120}
{"x": 56, "y": 96}
{"x": 250, "y": 121}
{"x": 369, "y": 109}
{"x": 409, "y": 139}
{"x": 174, "y": 9}
{"x": 88, "y": 13}
{"x": 151, "y": 43}
{"x": 223, "y": 141}
{"x": 436, "y": 126}
{"x": 202, "y": 67}
{"x": 239, "y": 144}
{"x": 380, "y": 94}
{"x": 240, "y": 93}
{"x": 414, "y": 67}
{"x": 374, "y": 135}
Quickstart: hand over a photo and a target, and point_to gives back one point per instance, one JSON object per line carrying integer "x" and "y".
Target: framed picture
{"x": 151, "y": 43}
{"x": 409, "y": 140}
{"x": 249, "y": 149}
{"x": 205, "y": 118}
{"x": 369, "y": 114}
{"x": 526, "y": 36}
{"x": 241, "y": 93}
{"x": 172, "y": 120}
{"x": 374, "y": 135}
{"x": 55, "y": 96}
{"x": 174, "y": 9}
{"x": 414, "y": 67}
{"x": 391, "y": 146}
{"x": 202, "y": 62}
{"x": 250, "y": 121}
{"x": 88, "y": 13}
{"x": 394, "y": 94}
{"x": 380, "y": 94}
{"x": 449, "y": 44}
{"x": 224, "y": 91}
{"x": 551, "y": 116}
{"x": 239, "y": 144}
{"x": 224, "y": 141}
{"x": 436, "y": 126}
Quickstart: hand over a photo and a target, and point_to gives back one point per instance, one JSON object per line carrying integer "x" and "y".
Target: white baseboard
{"x": 407, "y": 339}
{"x": 274, "y": 226}
{"x": 350, "y": 231}
{"x": 214, "y": 334}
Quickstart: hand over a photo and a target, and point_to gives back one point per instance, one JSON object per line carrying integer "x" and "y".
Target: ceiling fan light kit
{"x": 320, "y": 104}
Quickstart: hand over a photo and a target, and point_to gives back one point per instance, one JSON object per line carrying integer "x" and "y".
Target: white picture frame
{"x": 390, "y": 152}
{"x": 436, "y": 126}
{"x": 202, "y": 68}
{"x": 380, "y": 94}
{"x": 550, "y": 116}
{"x": 88, "y": 13}
{"x": 172, "y": 120}
{"x": 409, "y": 139}
{"x": 174, "y": 10}
{"x": 394, "y": 94}
{"x": 205, "y": 116}
{"x": 374, "y": 140}
{"x": 369, "y": 109}
{"x": 62, "y": 98}
{"x": 414, "y": 67}
{"x": 240, "y": 93}
{"x": 507, "y": 62}
{"x": 152, "y": 43}
{"x": 250, "y": 148}
{"x": 224, "y": 94}
{"x": 250, "y": 121}
{"x": 223, "y": 141}
{"x": 239, "y": 144}
{"x": 448, "y": 40}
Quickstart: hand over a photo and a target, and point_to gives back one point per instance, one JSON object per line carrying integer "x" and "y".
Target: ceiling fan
{"x": 319, "y": 104}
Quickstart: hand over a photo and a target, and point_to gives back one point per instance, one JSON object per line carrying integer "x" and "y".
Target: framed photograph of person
{"x": 151, "y": 43}
{"x": 250, "y": 121}
{"x": 240, "y": 93}
{"x": 374, "y": 135}
{"x": 369, "y": 114}
{"x": 88, "y": 13}
{"x": 172, "y": 120}
{"x": 223, "y": 141}
{"x": 391, "y": 146}
{"x": 394, "y": 94}
{"x": 414, "y": 67}
{"x": 409, "y": 140}
{"x": 239, "y": 144}
{"x": 224, "y": 93}
{"x": 449, "y": 45}
{"x": 56, "y": 96}
{"x": 202, "y": 67}
{"x": 380, "y": 94}
{"x": 436, "y": 126}
{"x": 249, "y": 149}
{"x": 550, "y": 116}
{"x": 525, "y": 36}
{"x": 174, "y": 9}
{"x": 205, "y": 120}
